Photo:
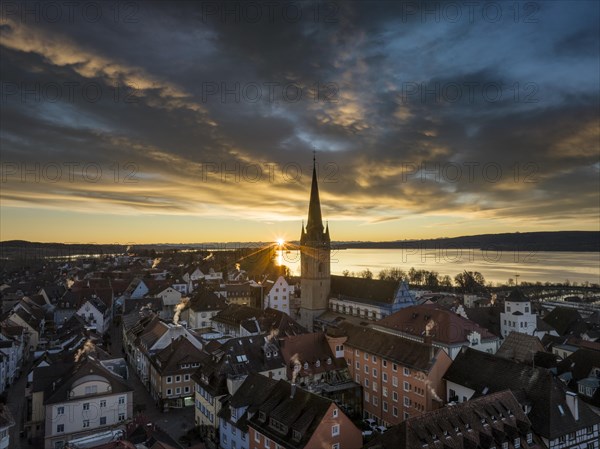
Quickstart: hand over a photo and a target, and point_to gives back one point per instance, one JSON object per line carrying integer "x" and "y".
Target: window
{"x": 406, "y": 372}
{"x": 335, "y": 446}
{"x": 367, "y": 396}
{"x": 169, "y": 392}
{"x": 384, "y": 363}
{"x": 394, "y": 381}
{"x": 335, "y": 430}
{"x": 121, "y": 416}
{"x": 86, "y": 406}
{"x": 394, "y": 367}
{"x": 60, "y": 410}
{"x": 385, "y": 406}
{"x": 178, "y": 390}
{"x": 375, "y": 400}
{"x": 257, "y": 437}
{"x": 102, "y": 403}
{"x": 335, "y": 412}
{"x": 374, "y": 359}
{"x": 358, "y": 378}
{"x": 375, "y": 386}
{"x": 102, "y": 420}
{"x": 169, "y": 379}
{"x": 267, "y": 443}
{"x": 367, "y": 383}
{"x": 406, "y": 386}
{"x": 122, "y": 400}
{"x": 529, "y": 438}
{"x": 395, "y": 411}
{"x": 374, "y": 372}
{"x": 177, "y": 378}
{"x": 357, "y": 364}
{"x": 406, "y": 401}
{"x": 395, "y": 396}
{"x": 186, "y": 377}
{"x": 186, "y": 389}
{"x": 366, "y": 356}
{"x": 60, "y": 428}
{"x": 86, "y": 423}
{"x": 385, "y": 392}
{"x": 357, "y": 353}
{"x": 517, "y": 443}
{"x": 93, "y": 389}
{"x": 366, "y": 369}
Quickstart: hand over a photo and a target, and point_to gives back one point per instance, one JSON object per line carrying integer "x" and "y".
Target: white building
{"x": 86, "y": 400}
{"x": 96, "y": 314}
{"x": 518, "y": 316}
{"x": 278, "y": 295}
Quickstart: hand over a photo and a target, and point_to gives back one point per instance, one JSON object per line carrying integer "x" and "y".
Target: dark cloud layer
{"x": 400, "y": 99}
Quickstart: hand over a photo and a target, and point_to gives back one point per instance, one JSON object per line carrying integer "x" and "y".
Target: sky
{"x": 166, "y": 122}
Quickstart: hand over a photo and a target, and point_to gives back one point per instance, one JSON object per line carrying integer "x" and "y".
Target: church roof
{"x": 314, "y": 232}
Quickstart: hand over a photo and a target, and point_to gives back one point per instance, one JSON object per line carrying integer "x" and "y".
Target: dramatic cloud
{"x": 438, "y": 112}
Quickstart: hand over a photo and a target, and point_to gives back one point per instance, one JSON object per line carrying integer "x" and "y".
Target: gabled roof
{"x": 486, "y": 317}
{"x": 295, "y": 408}
{"x": 563, "y": 319}
{"x": 206, "y": 300}
{"x": 310, "y": 348}
{"x": 237, "y": 357}
{"x": 580, "y": 363}
{"x": 371, "y": 290}
{"x": 520, "y": 347}
{"x": 479, "y": 423}
{"x": 550, "y": 416}
{"x": 179, "y": 352}
{"x": 397, "y": 349}
{"x": 448, "y": 327}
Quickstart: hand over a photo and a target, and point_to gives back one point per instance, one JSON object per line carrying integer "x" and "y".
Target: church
{"x": 315, "y": 260}
{"x": 326, "y": 300}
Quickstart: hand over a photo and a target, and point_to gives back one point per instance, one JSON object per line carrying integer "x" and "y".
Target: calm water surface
{"x": 496, "y": 266}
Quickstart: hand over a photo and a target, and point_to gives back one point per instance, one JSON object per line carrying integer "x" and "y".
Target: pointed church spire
{"x": 315, "y": 221}
{"x": 314, "y": 231}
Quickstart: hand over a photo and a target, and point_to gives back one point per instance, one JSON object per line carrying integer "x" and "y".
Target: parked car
{"x": 367, "y": 433}
{"x": 380, "y": 429}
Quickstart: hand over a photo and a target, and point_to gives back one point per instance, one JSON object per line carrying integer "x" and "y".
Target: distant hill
{"x": 522, "y": 241}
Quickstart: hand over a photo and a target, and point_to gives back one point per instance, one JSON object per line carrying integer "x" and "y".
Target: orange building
{"x": 400, "y": 378}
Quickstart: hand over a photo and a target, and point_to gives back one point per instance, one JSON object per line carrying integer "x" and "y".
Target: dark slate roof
{"x": 520, "y": 347}
{"x": 488, "y": 421}
{"x": 6, "y": 418}
{"x": 179, "y": 352}
{"x": 298, "y": 410}
{"x": 58, "y": 389}
{"x": 580, "y": 363}
{"x": 236, "y": 357}
{"x": 534, "y": 385}
{"x": 268, "y": 320}
{"x": 310, "y": 348}
{"x": 517, "y": 295}
{"x": 487, "y": 317}
{"x": 563, "y": 319}
{"x": 391, "y": 347}
{"x": 250, "y": 394}
{"x": 206, "y": 300}
{"x": 449, "y": 328}
{"x": 372, "y": 290}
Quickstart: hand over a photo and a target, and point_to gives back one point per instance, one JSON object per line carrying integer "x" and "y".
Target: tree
{"x": 392, "y": 274}
{"x": 366, "y": 273}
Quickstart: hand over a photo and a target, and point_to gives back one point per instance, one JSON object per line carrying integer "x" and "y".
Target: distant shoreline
{"x": 558, "y": 241}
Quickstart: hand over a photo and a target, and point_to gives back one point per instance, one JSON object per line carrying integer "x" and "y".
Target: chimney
{"x": 428, "y": 341}
{"x": 293, "y": 391}
{"x": 573, "y": 404}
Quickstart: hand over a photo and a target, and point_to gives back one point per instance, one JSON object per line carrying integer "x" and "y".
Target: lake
{"x": 496, "y": 266}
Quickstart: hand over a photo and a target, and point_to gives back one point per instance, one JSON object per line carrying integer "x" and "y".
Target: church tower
{"x": 315, "y": 248}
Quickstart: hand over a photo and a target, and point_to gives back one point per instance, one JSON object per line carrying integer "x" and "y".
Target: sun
{"x": 280, "y": 241}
